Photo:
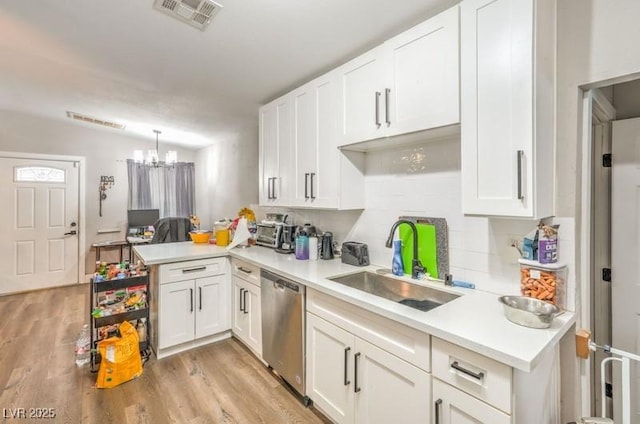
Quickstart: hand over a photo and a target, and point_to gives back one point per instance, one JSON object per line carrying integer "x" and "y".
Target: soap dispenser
{"x": 396, "y": 263}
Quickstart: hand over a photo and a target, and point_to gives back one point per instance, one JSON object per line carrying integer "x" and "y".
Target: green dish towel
{"x": 427, "y": 248}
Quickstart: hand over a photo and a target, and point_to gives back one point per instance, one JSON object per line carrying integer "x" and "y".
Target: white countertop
{"x": 475, "y": 320}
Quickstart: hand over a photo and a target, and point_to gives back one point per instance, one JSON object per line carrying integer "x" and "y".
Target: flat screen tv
{"x": 142, "y": 217}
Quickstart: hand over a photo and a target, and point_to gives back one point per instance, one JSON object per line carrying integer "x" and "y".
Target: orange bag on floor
{"x": 121, "y": 360}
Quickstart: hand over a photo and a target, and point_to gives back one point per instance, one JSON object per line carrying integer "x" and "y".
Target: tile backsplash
{"x": 425, "y": 180}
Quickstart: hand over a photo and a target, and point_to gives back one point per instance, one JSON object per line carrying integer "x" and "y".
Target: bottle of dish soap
{"x": 396, "y": 263}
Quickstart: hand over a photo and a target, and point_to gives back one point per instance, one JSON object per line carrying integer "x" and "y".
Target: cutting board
{"x": 427, "y": 248}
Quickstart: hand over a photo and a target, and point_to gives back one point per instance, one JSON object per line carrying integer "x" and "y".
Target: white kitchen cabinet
{"x": 324, "y": 177}
{"x": 354, "y": 381}
{"x": 453, "y": 406}
{"x": 247, "y": 306}
{"x": 507, "y": 107}
{"x": 193, "y": 305}
{"x": 275, "y": 183}
{"x": 410, "y": 83}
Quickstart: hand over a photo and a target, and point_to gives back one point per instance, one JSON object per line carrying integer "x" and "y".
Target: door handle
{"x": 311, "y": 184}
{"x": 378, "y": 94}
{"x": 241, "y": 299}
{"x": 356, "y": 389}
{"x": 437, "y": 409}
{"x": 200, "y": 298}
{"x": 346, "y": 358}
{"x": 306, "y": 185}
{"x": 73, "y": 224}
{"x": 191, "y": 298}
{"x": 476, "y": 375}
{"x": 244, "y": 295}
{"x": 387, "y": 114}
{"x": 269, "y": 188}
{"x": 520, "y": 177}
{"x": 71, "y": 233}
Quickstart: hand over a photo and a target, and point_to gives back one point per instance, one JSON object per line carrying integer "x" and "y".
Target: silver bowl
{"x": 529, "y": 312}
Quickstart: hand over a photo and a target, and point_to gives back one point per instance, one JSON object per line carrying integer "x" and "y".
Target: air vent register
{"x": 197, "y": 13}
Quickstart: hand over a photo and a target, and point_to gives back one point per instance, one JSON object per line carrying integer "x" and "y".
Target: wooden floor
{"x": 219, "y": 383}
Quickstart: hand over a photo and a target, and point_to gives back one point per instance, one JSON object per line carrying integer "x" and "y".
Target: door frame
{"x": 82, "y": 224}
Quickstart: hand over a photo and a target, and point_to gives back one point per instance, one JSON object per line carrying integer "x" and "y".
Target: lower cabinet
{"x": 453, "y": 406}
{"x": 247, "y": 310}
{"x": 353, "y": 381}
{"x": 193, "y": 304}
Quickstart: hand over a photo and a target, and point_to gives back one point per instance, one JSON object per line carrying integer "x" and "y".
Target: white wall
{"x": 228, "y": 174}
{"x": 105, "y": 152}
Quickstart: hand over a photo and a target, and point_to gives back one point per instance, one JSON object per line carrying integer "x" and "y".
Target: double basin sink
{"x": 418, "y": 297}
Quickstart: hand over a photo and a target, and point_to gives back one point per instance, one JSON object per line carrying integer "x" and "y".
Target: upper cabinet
{"x": 408, "y": 84}
{"x": 275, "y": 153}
{"x": 507, "y": 106}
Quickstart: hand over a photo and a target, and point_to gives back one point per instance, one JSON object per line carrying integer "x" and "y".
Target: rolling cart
{"x": 106, "y": 287}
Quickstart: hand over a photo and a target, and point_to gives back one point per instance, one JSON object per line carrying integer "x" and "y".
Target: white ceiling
{"x": 122, "y": 60}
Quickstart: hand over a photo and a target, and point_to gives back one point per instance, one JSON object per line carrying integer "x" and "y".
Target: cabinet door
{"x": 304, "y": 143}
{"x": 424, "y": 78}
{"x": 388, "y": 389}
{"x": 362, "y": 97}
{"x": 253, "y": 309}
{"x": 237, "y": 307}
{"x": 275, "y": 152}
{"x": 496, "y": 41}
{"x": 212, "y": 305}
{"x": 330, "y": 369}
{"x": 452, "y": 406}
{"x": 176, "y": 315}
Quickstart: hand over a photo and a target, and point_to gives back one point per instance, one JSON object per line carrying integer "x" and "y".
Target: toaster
{"x": 355, "y": 253}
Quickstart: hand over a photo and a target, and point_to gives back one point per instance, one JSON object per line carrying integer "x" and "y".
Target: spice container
{"x": 545, "y": 282}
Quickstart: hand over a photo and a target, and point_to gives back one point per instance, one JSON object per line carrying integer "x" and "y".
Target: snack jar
{"x": 544, "y": 281}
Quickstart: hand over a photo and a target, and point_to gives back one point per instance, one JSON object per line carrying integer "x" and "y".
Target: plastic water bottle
{"x": 83, "y": 347}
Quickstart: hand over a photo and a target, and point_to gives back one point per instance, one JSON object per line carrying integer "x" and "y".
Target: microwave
{"x": 268, "y": 234}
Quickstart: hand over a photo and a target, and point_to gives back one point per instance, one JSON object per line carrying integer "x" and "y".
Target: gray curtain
{"x": 170, "y": 189}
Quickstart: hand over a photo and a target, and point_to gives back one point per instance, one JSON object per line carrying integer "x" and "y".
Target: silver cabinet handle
{"x": 200, "y": 298}
{"x": 346, "y": 359}
{"x": 269, "y": 188}
{"x": 356, "y": 389}
{"x": 245, "y": 270}
{"x": 311, "y": 175}
{"x": 437, "y": 408}
{"x": 520, "y": 177}
{"x": 273, "y": 188}
{"x": 244, "y": 295}
{"x": 378, "y": 94}
{"x": 387, "y": 114}
{"x": 200, "y": 268}
{"x": 191, "y": 298}
{"x": 476, "y": 375}
{"x": 241, "y": 299}
{"x": 306, "y": 185}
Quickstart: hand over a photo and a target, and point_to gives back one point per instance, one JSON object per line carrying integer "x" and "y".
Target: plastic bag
{"x": 121, "y": 359}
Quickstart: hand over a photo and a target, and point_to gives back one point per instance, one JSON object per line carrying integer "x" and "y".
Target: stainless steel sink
{"x": 413, "y": 295}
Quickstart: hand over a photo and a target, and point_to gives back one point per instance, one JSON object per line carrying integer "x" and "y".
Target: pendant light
{"x": 171, "y": 157}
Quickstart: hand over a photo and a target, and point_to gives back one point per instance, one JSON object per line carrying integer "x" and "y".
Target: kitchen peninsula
{"x": 501, "y": 358}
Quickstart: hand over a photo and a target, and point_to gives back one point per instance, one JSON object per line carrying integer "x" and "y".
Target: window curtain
{"x": 170, "y": 189}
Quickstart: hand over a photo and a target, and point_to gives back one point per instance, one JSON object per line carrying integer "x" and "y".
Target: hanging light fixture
{"x": 171, "y": 156}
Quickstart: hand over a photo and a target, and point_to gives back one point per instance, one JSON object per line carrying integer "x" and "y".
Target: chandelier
{"x": 170, "y": 157}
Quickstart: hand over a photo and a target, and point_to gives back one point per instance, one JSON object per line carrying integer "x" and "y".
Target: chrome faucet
{"x": 416, "y": 266}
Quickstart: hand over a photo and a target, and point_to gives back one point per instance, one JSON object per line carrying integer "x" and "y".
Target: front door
{"x": 38, "y": 224}
{"x": 625, "y": 253}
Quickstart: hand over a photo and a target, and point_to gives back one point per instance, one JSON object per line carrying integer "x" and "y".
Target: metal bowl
{"x": 529, "y": 312}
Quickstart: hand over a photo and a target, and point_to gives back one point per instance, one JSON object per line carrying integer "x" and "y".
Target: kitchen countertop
{"x": 475, "y": 320}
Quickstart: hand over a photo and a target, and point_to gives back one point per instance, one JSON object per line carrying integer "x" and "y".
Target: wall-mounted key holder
{"x": 105, "y": 183}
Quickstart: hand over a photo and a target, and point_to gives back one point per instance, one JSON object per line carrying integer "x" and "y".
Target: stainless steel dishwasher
{"x": 283, "y": 328}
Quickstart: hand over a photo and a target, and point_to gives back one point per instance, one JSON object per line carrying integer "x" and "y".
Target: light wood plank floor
{"x": 219, "y": 383}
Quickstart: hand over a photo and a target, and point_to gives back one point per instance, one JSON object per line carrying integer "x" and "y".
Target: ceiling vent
{"x": 197, "y": 13}
{"x": 92, "y": 120}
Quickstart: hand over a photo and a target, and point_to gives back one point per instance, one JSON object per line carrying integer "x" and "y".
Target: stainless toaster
{"x": 355, "y": 253}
